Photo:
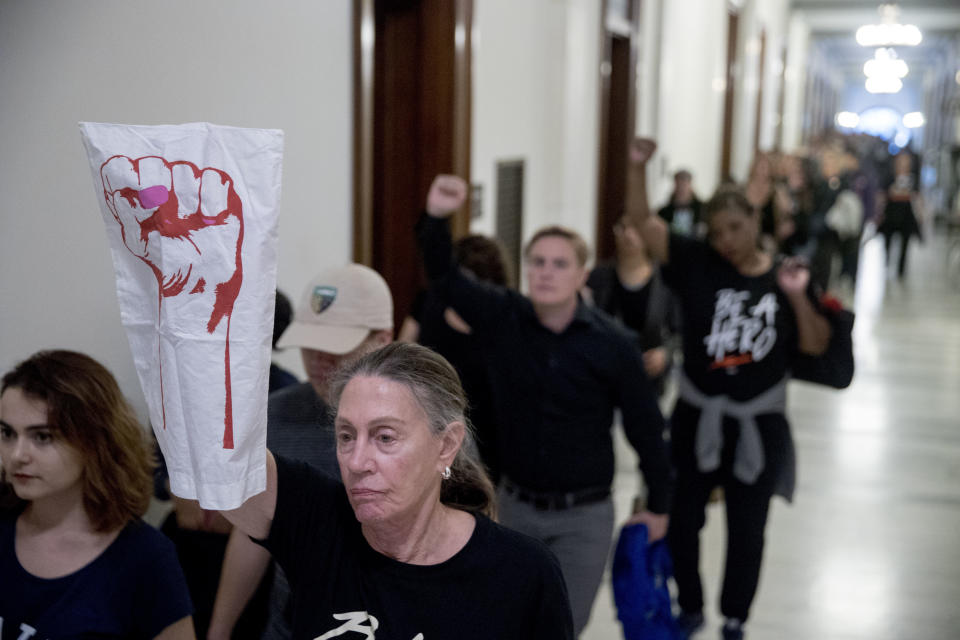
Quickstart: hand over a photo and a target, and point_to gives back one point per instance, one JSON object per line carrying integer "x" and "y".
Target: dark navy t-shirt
{"x": 134, "y": 589}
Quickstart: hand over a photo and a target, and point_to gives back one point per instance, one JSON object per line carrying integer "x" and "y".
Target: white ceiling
{"x": 833, "y": 25}
{"x": 846, "y": 15}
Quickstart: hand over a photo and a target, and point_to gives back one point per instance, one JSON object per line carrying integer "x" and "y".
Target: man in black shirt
{"x": 558, "y": 370}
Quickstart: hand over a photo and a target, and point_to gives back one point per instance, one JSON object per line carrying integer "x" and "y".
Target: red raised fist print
{"x": 186, "y": 224}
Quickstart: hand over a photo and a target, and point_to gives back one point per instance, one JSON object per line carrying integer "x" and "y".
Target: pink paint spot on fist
{"x": 153, "y": 196}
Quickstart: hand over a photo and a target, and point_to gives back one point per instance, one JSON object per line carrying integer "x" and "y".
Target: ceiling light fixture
{"x": 889, "y": 32}
{"x": 885, "y": 64}
{"x": 886, "y": 84}
{"x": 913, "y": 120}
{"x": 847, "y": 119}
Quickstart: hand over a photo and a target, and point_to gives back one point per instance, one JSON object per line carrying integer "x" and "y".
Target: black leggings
{"x": 904, "y": 243}
{"x": 747, "y": 507}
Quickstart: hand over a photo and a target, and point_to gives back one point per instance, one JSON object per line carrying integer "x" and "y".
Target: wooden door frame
{"x": 608, "y": 31}
{"x": 761, "y": 71}
{"x": 463, "y": 106}
{"x": 726, "y": 146}
{"x": 364, "y": 31}
{"x": 364, "y": 43}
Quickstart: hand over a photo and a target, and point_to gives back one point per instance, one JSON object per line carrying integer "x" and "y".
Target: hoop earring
{"x": 446, "y": 473}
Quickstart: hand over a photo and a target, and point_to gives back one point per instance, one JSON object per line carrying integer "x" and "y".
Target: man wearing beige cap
{"x": 343, "y": 314}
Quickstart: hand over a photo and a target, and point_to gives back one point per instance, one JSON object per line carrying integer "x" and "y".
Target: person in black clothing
{"x": 559, "y": 369}
{"x": 630, "y": 289}
{"x": 433, "y": 324}
{"x": 899, "y": 215}
{"x": 405, "y": 547}
{"x": 829, "y": 188}
{"x": 282, "y": 315}
{"x": 744, "y": 320}
{"x": 683, "y": 213}
{"x": 761, "y": 191}
{"x": 793, "y": 232}
{"x": 770, "y": 196}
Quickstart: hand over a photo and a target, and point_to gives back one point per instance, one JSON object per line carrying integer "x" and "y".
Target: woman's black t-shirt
{"x": 500, "y": 585}
{"x": 739, "y": 332}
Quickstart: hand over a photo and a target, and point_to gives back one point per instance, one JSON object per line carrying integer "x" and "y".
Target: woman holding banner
{"x": 406, "y": 544}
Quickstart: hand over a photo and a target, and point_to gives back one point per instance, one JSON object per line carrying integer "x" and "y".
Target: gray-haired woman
{"x": 409, "y": 549}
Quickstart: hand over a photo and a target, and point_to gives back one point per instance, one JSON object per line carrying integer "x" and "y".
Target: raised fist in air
{"x": 793, "y": 276}
{"x": 447, "y": 194}
{"x": 186, "y": 224}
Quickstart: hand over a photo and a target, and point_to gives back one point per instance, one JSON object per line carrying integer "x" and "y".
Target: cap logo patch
{"x": 322, "y": 298}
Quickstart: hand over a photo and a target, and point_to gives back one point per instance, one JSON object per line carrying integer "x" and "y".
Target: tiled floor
{"x": 870, "y": 548}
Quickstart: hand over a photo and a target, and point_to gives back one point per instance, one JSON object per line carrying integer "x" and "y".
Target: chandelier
{"x": 884, "y": 72}
{"x": 889, "y": 32}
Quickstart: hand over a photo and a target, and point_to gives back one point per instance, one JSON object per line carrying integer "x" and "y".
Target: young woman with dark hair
{"x": 76, "y": 561}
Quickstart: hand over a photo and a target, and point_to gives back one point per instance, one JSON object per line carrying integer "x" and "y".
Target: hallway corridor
{"x": 869, "y": 550}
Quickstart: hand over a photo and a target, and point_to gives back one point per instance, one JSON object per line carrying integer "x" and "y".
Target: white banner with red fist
{"x": 191, "y": 215}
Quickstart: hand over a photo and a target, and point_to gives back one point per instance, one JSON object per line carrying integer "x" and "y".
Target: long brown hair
{"x": 436, "y": 386}
{"x": 86, "y": 408}
{"x": 484, "y": 257}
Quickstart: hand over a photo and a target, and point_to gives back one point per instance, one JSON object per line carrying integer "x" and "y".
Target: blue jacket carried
{"x": 640, "y": 575}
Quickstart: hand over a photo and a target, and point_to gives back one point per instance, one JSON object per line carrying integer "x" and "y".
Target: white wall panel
{"x": 692, "y": 71}
{"x": 248, "y": 63}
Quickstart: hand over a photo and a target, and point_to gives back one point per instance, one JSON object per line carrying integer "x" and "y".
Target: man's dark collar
{"x": 583, "y": 314}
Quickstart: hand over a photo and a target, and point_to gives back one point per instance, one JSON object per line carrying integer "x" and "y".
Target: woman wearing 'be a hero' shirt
{"x": 745, "y": 319}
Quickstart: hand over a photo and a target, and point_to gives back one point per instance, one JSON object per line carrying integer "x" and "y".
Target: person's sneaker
{"x": 732, "y": 629}
{"x": 689, "y": 623}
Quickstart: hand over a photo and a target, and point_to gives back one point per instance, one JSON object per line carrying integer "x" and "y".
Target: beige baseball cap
{"x": 338, "y": 310}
